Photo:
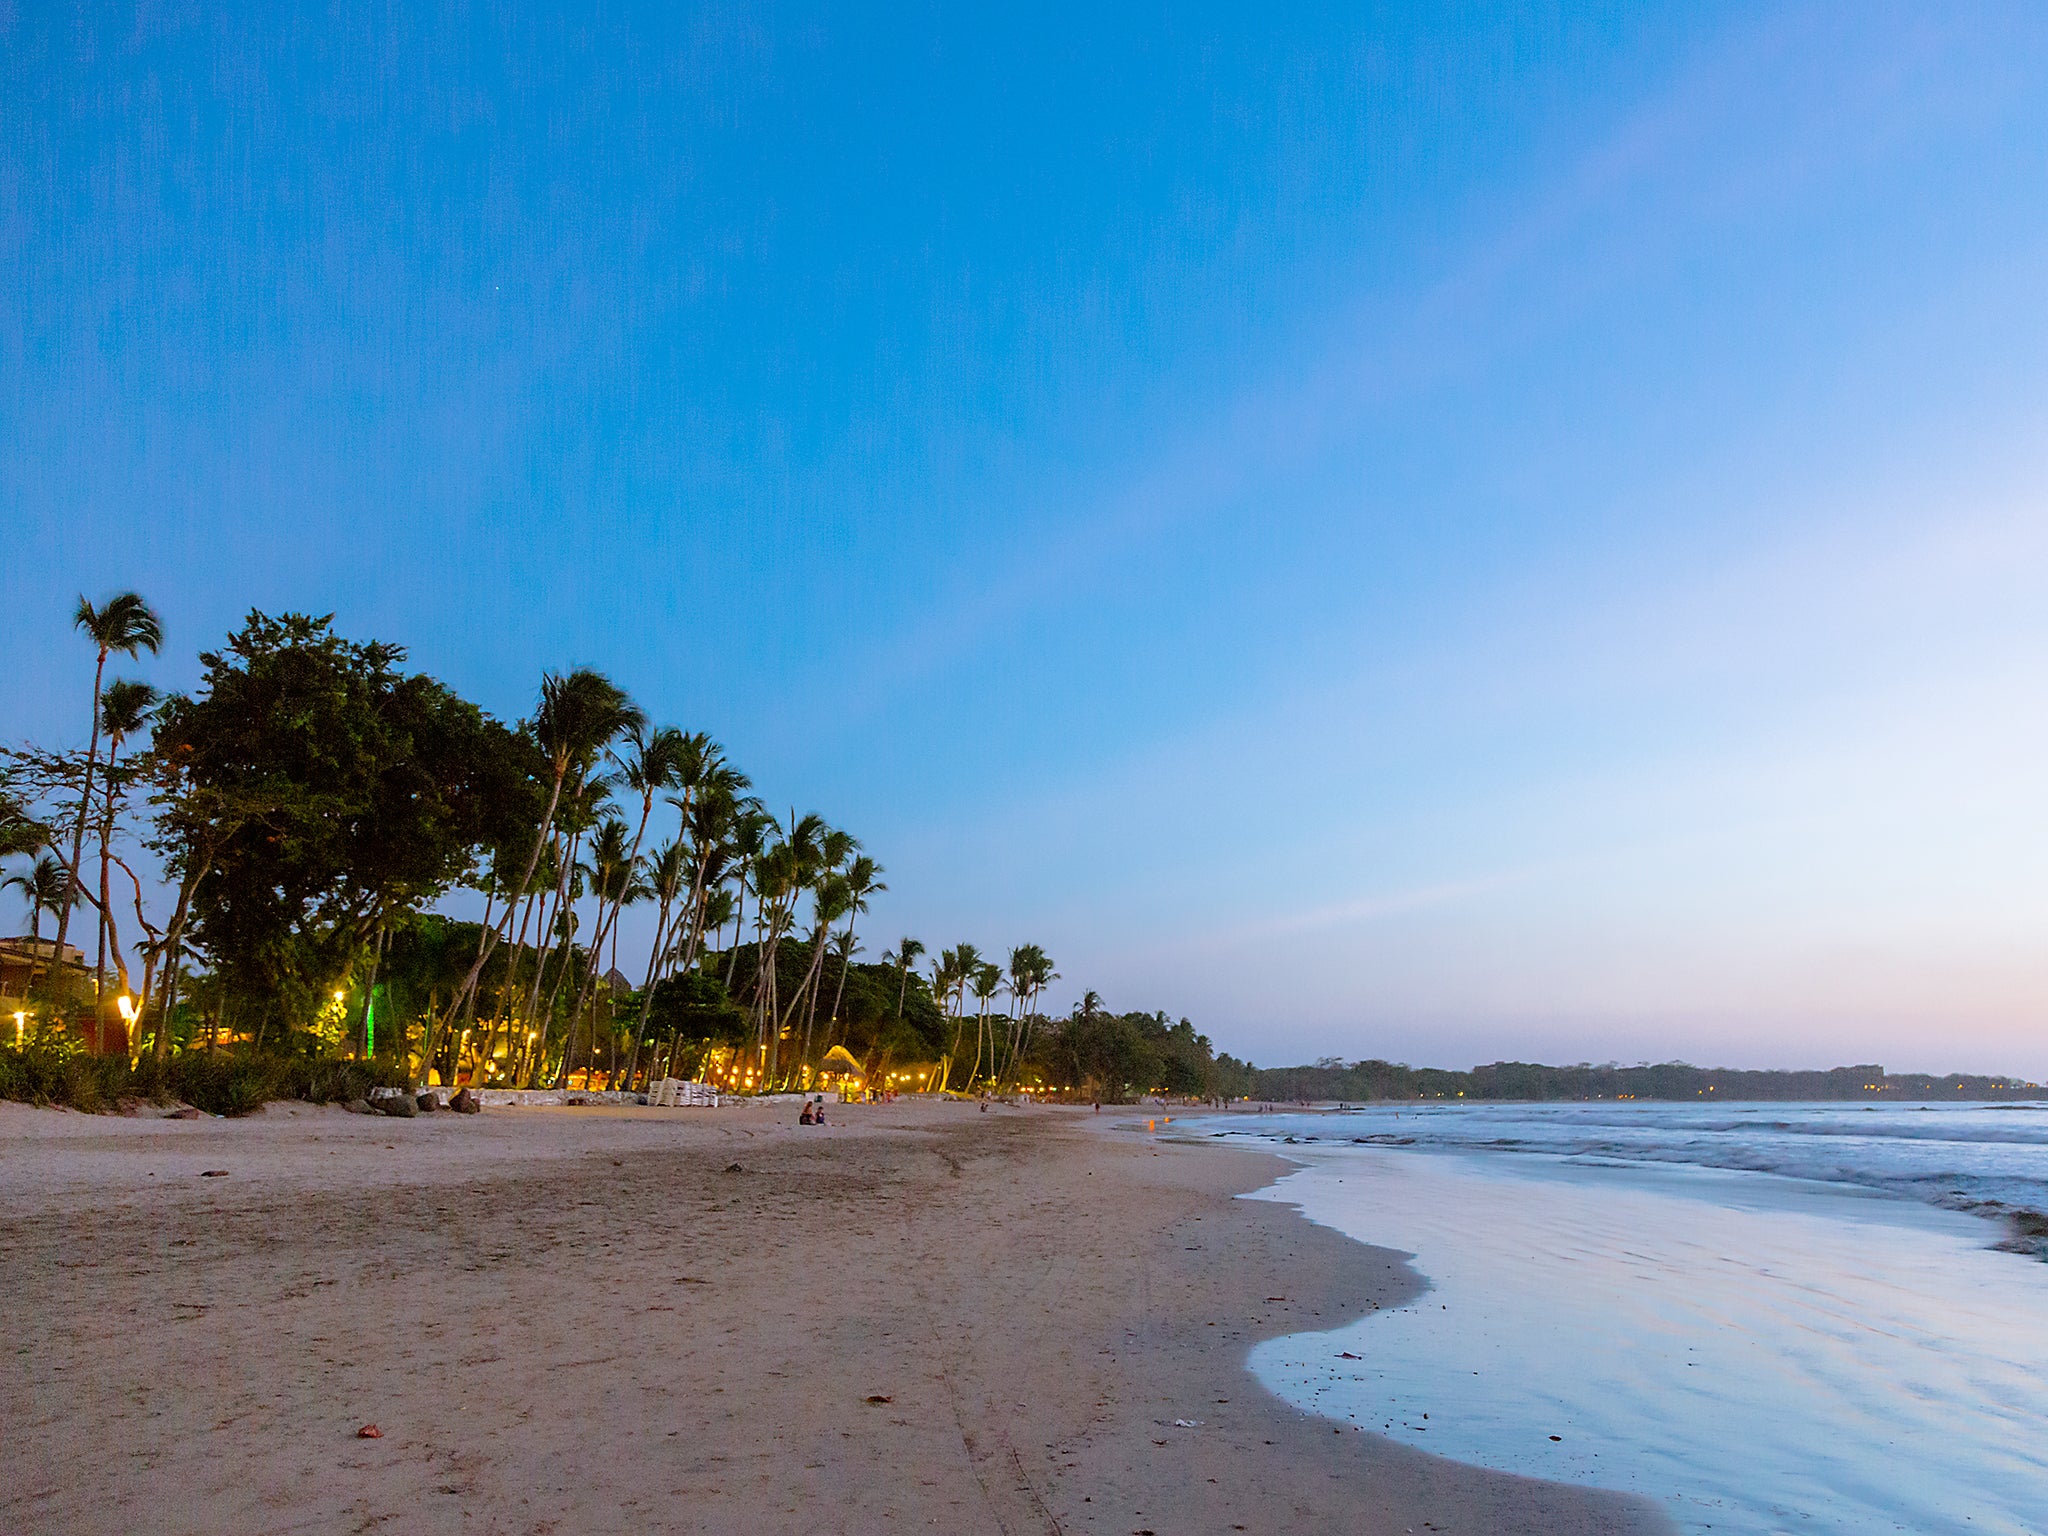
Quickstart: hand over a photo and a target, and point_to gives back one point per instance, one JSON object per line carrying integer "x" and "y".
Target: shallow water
{"x": 1755, "y": 1351}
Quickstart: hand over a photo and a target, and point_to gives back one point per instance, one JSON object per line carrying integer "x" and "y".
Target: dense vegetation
{"x": 1360, "y": 1081}
{"x": 312, "y": 803}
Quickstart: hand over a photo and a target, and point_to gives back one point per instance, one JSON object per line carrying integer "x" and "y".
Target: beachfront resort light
{"x": 20, "y": 1018}
{"x": 127, "y": 1006}
{"x": 340, "y": 996}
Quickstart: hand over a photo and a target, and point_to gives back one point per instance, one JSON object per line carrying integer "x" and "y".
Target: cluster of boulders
{"x": 404, "y": 1106}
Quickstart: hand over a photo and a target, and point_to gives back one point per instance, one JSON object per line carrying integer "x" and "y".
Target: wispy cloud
{"x": 1360, "y": 910}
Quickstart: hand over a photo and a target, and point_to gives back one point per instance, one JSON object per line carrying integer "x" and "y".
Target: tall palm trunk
{"x": 557, "y": 916}
{"x": 647, "y": 989}
{"x": 608, "y": 915}
{"x": 512, "y": 989}
{"x": 698, "y": 896}
{"x": 809, "y": 991}
{"x": 498, "y": 1018}
{"x": 565, "y": 963}
{"x": 845, "y": 965}
{"x": 516, "y": 998}
{"x": 959, "y": 1028}
{"x": 99, "y": 973}
{"x": 78, "y": 825}
{"x": 1008, "y": 1056}
{"x": 492, "y": 936}
{"x": 447, "y": 1025}
{"x": 739, "y": 926}
{"x": 768, "y": 993}
{"x": 173, "y": 933}
{"x": 586, "y": 992}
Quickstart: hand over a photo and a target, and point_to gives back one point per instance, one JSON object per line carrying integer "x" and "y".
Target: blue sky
{"x": 1444, "y": 532}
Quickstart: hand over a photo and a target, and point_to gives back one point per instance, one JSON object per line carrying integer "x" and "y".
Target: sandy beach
{"x": 920, "y": 1317}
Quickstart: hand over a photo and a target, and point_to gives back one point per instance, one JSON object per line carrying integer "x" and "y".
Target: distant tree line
{"x": 1362, "y": 1081}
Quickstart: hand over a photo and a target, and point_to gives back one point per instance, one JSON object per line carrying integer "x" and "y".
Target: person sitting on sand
{"x": 818, "y": 1113}
{"x": 806, "y": 1117}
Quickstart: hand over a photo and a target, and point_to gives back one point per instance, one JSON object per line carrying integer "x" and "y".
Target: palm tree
{"x": 829, "y": 901}
{"x": 127, "y": 624}
{"x": 986, "y": 981}
{"x": 827, "y": 885}
{"x": 966, "y": 961}
{"x": 749, "y": 843}
{"x": 1031, "y": 973}
{"x": 667, "y": 870}
{"x": 563, "y": 925}
{"x": 1019, "y": 982}
{"x": 124, "y": 710}
{"x": 719, "y": 821}
{"x": 608, "y": 874}
{"x": 781, "y": 875}
{"x": 635, "y": 890}
{"x": 655, "y": 763}
{"x": 47, "y": 887}
{"x": 531, "y": 903}
{"x": 951, "y": 973}
{"x": 580, "y": 810}
{"x": 778, "y": 875}
{"x": 863, "y": 879}
{"x": 819, "y": 877}
{"x": 907, "y": 951}
{"x": 580, "y": 715}
{"x": 720, "y": 907}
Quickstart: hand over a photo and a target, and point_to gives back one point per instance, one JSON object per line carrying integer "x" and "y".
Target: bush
{"x": 54, "y": 1071}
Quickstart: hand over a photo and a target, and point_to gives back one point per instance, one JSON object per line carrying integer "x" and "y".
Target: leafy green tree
{"x": 381, "y": 788}
{"x": 694, "y": 1014}
{"x": 424, "y": 960}
{"x": 1184, "y": 1060}
{"x": 1105, "y": 1055}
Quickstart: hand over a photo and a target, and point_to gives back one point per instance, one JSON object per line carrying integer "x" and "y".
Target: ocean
{"x": 1766, "y": 1318}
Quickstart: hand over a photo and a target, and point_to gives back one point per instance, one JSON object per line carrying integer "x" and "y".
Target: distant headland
{"x": 1331, "y": 1079}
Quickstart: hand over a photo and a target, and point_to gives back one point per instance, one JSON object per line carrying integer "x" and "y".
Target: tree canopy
{"x": 379, "y": 788}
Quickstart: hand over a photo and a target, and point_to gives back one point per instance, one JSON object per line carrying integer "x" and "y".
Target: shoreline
{"x": 925, "y": 1317}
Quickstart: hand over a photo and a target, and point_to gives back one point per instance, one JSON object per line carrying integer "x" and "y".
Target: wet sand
{"x": 585, "y": 1320}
